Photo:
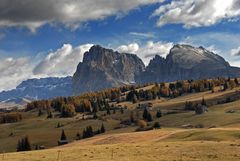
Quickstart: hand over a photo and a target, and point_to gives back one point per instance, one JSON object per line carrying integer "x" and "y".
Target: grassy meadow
{"x": 217, "y": 139}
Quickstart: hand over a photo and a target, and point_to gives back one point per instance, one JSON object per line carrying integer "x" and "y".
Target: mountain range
{"x": 34, "y": 89}
{"x": 103, "y": 68}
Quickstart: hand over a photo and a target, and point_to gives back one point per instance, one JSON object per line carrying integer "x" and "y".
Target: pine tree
{"x": 95, "y": 115}
{"x": 203, "y": 102}
{"x": 19, "y": 146}
{"x": 40, "y": 112}
{"x": 23, "y": 144}
{"x": 58, "y": 125}
{"x": 84, "y": 134}
{"x": 108, "y": 111}
{"x": 149, "y": 117}
{"x": 78, "y": 136}
{"x": 122, "y": 110}
{"x": 49, "y": 115}
{"x": 159, "y": 114}
{"x": 114, "y": 110}
{"x": 103, "y": 130}
{"x": 27, "y": 145}
{"x": 63, "y": 136}
{"x": 145, "y": 114}
{"x": 236, "y": 81}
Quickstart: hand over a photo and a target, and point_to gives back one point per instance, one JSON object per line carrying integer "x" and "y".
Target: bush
{"x": 156, "y": 125}
{"x": 142, "y": 124}
{"x": 200, "y": 109}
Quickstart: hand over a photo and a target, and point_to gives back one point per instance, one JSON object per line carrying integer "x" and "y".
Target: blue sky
{"x": 31, "y": 40}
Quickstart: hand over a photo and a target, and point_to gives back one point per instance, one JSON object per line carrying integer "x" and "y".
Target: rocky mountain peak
{"x": 108, "y": 66}
{"x": 186, "y": 56}
{"x": 187, "y": 62}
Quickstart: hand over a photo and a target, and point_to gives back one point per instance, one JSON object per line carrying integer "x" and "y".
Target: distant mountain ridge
{"x": 187, "y": 62}
{"x": 103, "y": 68}
{"x": 33, "y": 89}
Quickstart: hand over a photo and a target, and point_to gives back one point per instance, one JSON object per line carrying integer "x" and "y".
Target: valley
{"x": 183, "y": 134}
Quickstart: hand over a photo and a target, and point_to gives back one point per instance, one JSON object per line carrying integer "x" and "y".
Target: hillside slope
{"x": 144, "y": 146}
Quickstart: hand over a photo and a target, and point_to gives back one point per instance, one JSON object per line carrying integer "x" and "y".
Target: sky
{"x": 49, "y": 38}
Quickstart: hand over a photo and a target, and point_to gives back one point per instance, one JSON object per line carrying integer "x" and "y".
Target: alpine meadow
{"x": 119, "y": 80}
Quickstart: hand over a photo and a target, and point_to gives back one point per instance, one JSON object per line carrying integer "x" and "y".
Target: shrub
{"x": 200, "y": 109}
{"x": 142, "y": 124}
{"x": 156, "y": 125}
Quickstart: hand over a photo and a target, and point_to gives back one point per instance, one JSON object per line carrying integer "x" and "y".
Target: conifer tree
{"x": 103, "y": 130}
{"x": 203, "y": 102}
{"x": 149, "y": 117}
{"x": 159, "y": 114}
{"x": 145, "y": 114}
{"x": 24, "y": 144}
{"x": 63, "y": 136}
{"x": 108, "y": 111}
{"x": 40, "y": 112}
{"x": 27, "y": 145}
{"x": 78, "y": 136}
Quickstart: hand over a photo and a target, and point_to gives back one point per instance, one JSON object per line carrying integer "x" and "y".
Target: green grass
{"x": 43, "y": 131}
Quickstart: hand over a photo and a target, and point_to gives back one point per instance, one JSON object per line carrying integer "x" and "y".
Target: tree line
{"x": 99, "y": 101}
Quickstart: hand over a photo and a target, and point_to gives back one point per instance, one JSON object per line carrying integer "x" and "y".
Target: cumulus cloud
{"x": 130, "y": 48}
{"x": 62, "y": 62}
{"x": 35, "y": 13}
{"x": 196, "y": 13}
{"x": 13, "y": 71}
{"x": 235, "y": 52}
{"x": 147, "y": 51}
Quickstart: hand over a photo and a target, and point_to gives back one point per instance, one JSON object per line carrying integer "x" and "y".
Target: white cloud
{"x": 196, "y": 13}
{"x": 130, "y": 48}
{"x": 13, "y": 71}
{"x": 235, "y": 52}
{"x": 62, "y": 62}
{"x": 147, "y": 51}
{"x": 35, "y": 13}
{"x": 140, "y": 34}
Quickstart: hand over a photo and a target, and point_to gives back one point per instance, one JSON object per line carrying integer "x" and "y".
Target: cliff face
{"x": 187, "y": 62}
{"x": 103, "y": 68}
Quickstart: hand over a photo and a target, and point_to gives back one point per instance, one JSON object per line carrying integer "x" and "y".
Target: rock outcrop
{"x": 187, "y": 62}
{"x": 104, "y": 68}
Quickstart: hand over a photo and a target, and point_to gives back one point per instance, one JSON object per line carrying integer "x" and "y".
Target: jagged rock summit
{"x": 187, "y": 62}
{"x": 103, "y": 68}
